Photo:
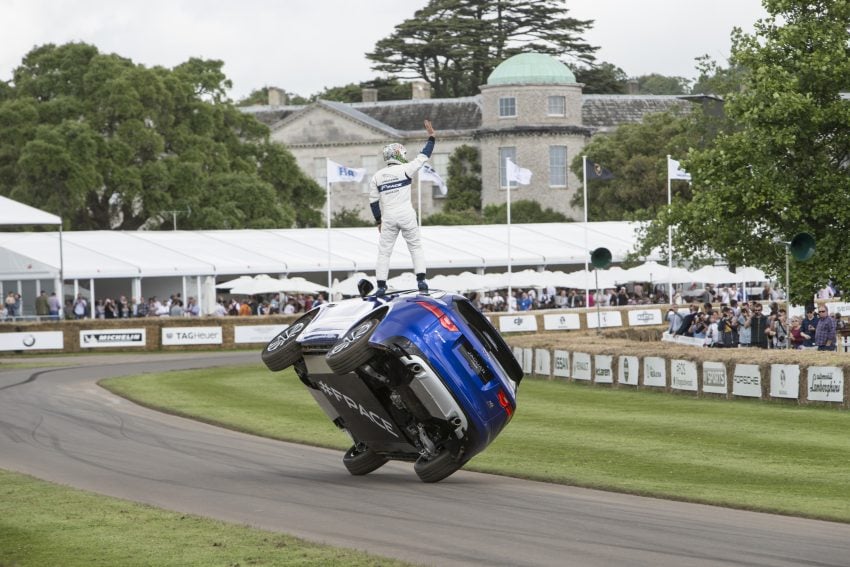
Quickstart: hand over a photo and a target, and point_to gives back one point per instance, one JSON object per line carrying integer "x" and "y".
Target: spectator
{"x": 42, "y": 309}
{"x": 141, "y": 308}
{"x": 825, "y": 332}
{"x": 727, "y": 329}
{"x": 712, "y": 336}
{"x": 80, "y": 307}
{"x": 99, "y": 312}
{"x": 688, "y": 320}
{"x": 54, "y": 306}
{"x": 809, "y": 326}
{"x": 778, "y": 331}
{"x": 840, "y": 325}
{"x": 524, "y": 303}
{"x": 674, "y": 320}
{"x": 220, "y": 310}
{"x": 176, "y": 308}
{"x": 744, "y": 331}
{"x": 10, "y": 305}
{"x": 758, "y": 325}
{"x": 123, "y": 307}
{"x": 699, "y": 326}
{"x": 109, "y": 309}
{"x": 192, "y": 308}
{"x": 795, "y": 333}
{"x": 826, "y": 292}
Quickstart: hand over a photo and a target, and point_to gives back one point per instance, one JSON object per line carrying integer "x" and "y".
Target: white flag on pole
{"x": 428, "y": 173}
{"x": 517, "y": 173}
{"x": 339, "y": 172}
{"x": 676, "y": 172}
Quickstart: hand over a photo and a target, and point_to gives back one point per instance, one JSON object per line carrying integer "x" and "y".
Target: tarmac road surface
{"x": 57, "y": 424}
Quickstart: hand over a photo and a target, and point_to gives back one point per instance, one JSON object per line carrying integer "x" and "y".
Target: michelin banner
{"x": 113, "y": 338}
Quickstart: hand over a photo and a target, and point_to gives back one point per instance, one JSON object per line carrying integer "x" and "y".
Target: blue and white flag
{"x": 338, "y": 172}
{"x": 676, "y": 172}
{"x": 428, "y": 173}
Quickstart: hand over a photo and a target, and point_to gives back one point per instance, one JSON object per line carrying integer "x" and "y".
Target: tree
{"x": 349, "y": 218}
{"x": 106, "y": 143}
{"x": 782, "y": 170}
{"x": 454, "y": 45}
{"x": 602, "y": 78}
{"x": 464, "y": 180}
{"x": 635, "y": 154}
{"x": 522, "y": 211}
{"x": 657, "y": 84}
{"x": 388, "y": 89}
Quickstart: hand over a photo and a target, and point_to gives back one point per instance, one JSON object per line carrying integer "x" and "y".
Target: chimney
{"x": 277, "y": 97}
{"x": 369, "y": 95}
{"x": 420, "y": 90}
{"x": 633, "y": 86}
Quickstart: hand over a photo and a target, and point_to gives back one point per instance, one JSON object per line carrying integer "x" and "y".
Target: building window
{"x": 507, "y": 107}
{"x": 440, "y": 162}
{"x": 505, "y": 153}
{"x": 370, "y": 164}
{"x": 556, "y": 106}
{"x": 557, "y": 166}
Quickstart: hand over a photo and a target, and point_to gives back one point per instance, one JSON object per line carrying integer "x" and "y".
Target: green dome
{"x": 532, "y": 68}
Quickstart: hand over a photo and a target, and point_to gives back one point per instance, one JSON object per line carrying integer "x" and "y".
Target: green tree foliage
{"x": 663, "y": 85}
{"x": 782, "y": 169}
{"x": 717, "y": 80}
{"x": 602, "y": 78}
{"x": 388, "y": 89}
{"x": 106, "y": 143}
{"x": 454, "y": 45}
{"x": 347, "y": 218}
{"x": 464, "y": 180}
{"x": 522, "y": 211}
{"x": 636, "y": 155}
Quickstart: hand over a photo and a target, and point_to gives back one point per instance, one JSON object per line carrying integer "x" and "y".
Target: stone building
{"x": 531, "y": 110}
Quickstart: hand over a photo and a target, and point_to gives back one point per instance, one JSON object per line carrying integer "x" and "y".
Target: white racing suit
{"x": 389, "y": 197}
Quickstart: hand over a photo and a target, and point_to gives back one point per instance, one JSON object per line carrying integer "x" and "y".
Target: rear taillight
{"x": 447, "y": 323}
{"x": 505, "y": 403}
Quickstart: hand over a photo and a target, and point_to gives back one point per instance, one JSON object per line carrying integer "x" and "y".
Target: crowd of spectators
{"x": 756, "y": 325}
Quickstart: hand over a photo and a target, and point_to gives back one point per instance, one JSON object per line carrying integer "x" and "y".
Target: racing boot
{"x": 421, "y": 283}
{"x": 382, "y": 289}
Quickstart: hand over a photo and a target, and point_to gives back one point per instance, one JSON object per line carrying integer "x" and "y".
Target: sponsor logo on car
{"x": 376, "y": 419}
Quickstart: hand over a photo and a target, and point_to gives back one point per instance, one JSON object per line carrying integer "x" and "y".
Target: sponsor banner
{"x": 516, "y": 323}
{"x": 256, "y": 333}
{"x": 563, "y": 322}
{"x": 42, "y": 340}
{"x": 561, "y": 364}
{"x": 518, "y": 355}
{"x": 602, "y": 373}
{"x": 581, "y": 366}
{"x": 838, "y": 307}
{"x": 639, "y": 317}
{"x": 604, "y": 318}
{"x": 628, "y": 370}
{"x": 191, "y": 336}
{"x": 542, "y": 362}
{"x": 655, "y": 372}
{"x": 113, "y": 338}
{"x": 785, "y": 381}
{"x": 826, "y": 384}
{"x": 747, "y": 380}
{"x": 714, "y": 378}
{"x": 679, "y": 339}
{"x": 527, "y": 360}
{"x": 683, "y": 375}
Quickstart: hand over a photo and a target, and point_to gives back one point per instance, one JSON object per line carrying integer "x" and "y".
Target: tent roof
{"x": 119, "y": 254}
{"x": 13, "y": 212}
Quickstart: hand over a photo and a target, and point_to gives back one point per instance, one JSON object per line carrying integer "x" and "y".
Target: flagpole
{"x": 509, "y": 238}
{"x": 669, "y": 236}
{"x": 328, "y": 193}
{"x": 586, "y": 247}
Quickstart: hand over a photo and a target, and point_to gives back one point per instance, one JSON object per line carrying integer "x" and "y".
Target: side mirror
{"x": 364, "y": 287}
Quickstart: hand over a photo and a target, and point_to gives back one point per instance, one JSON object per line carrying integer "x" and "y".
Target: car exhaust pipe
{"x": 415, "y": 368}
{"x": 456, "y": 422}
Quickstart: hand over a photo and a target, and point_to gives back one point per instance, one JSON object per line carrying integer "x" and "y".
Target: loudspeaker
{"x": 600, "y": 258}
{"x": 802, "y": 246}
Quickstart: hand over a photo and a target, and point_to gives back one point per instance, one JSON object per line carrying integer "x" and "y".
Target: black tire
{"x": 352, "y": 350}
{"x": 283, "y": 351}
{"x": 437, "y": 468}
{"x": 363, "y": 460}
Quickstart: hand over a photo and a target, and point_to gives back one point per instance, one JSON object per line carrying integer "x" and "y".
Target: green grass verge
{"x": 46, "y": 524}
{"x": 747, "y": 454}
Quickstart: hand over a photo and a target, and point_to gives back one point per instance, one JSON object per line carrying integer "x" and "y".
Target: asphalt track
{"x": 57, "y": 424}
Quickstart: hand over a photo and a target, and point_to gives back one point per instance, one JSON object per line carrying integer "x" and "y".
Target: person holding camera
{"x": 727, "y": 329}
{"x": 758, "y": 325}
{"x": 778, "y": 331}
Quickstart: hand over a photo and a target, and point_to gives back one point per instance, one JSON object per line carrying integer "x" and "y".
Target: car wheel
{"x": 352, "y": 350}
{"x": 283, "y": 351}
{"x": 362, "y": 461}
{"x": 437, "y": 468}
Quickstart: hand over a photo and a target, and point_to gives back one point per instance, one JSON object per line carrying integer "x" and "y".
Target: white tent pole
{"x": 61, "y": 291}
{"x": 669, "y": 236}
{"x": 586, "y": 246}
{"x": 510, "y": 290}
{"x": 198, "y": 293}
{"x": 92, "y": 313}
{"x": 328, "y": 193}
{"x": 184, "y": 297}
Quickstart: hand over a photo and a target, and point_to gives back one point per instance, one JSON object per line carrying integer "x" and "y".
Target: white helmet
{"x": 395, "y": 153}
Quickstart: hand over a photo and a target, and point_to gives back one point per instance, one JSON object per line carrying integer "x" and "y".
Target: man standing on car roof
{"x": 389, "y": 197}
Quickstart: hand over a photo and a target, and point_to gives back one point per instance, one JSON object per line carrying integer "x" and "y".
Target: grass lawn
{"x": 46, "y": 524}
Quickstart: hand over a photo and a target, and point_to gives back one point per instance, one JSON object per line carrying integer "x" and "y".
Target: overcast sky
{"x": 304, "y": 46}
